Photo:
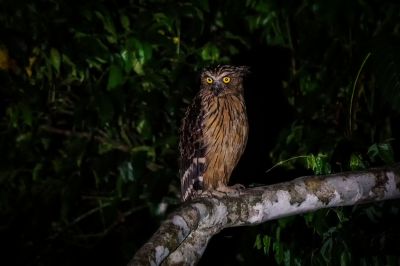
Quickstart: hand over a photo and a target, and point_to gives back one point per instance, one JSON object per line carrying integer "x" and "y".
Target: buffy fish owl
{"x": 214, "y": 132}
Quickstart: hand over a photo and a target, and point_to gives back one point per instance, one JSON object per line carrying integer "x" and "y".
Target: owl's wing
{"x": 192, "y": 150}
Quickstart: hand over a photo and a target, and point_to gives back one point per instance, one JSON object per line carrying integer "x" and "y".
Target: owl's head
{"x": 225, "y": 79}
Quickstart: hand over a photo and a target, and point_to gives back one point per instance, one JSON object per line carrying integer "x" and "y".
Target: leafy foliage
{"x": 93, "y": 93}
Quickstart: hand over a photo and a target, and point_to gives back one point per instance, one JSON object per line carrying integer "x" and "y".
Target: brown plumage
{"x": 214, "y": 132}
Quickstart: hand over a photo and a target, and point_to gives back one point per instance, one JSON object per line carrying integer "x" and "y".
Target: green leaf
{"x": 278, "y": 234}
{"x": 257, "y": 243}
{"x": 204, "y": 5}
{"x": 27, "y": 116}
{"x": 142, "y": 55}
{"x": 115, "y": 77}
{"x": 144, "y": 127}
{"x": 317, "y": 221}
{"x": 55, "y": 59}
{"x": 12, "y": 114}
{"x": 127, "y": 58}
{"x": 108, "y": 26}
{"x": 326, "y": 249}
{"x": 319, "y": 164}
{"x": 210, "y": 52}
{"x": 126, "y": 175}
{"x": 373, "y": 213}
{"x": 340, "y": 215}
{"x": 345, "y": 258}
{"x": 105, "y": 148}
{"x": 284, "y": 222}
{"x": 308, "y": 218}
{"x": 126, "y": 171}
{"x": 308, "y": 84}
{"x": 382, "y": 150}
{"x": 36, "y": 171}
{"x": 277, "y": 247}
{"x": 287, "y": 257}
{"x": 356, "y": 162}
{"x": 137, "y": 53}
{"x": 266, "y": 244}
{"x": 125, "y": 22}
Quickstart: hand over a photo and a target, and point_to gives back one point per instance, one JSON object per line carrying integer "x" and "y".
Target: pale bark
{"x": 183, "y": 237}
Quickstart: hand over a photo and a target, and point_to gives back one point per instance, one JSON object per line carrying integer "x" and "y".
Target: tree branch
{"x": 183, "y": 237}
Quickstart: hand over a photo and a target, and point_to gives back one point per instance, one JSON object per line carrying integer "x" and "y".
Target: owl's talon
{"x": 218, "y": 194}
{"x": 203, "y": 194}
{"x": 235, "y": 189}
{"x": 210, "y": 194}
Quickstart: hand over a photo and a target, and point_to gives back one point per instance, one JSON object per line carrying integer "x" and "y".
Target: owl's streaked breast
{"x": 225, "y": 134}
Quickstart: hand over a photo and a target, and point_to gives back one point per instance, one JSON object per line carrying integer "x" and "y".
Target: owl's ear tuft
{"x": 243, "y": 70}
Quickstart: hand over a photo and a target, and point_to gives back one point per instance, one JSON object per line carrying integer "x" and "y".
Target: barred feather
{"x": 192, "y": 150}
{"x": 213, "y": 133}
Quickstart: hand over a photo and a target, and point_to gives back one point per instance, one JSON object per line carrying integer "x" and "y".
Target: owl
{"x": 214, "y": 132}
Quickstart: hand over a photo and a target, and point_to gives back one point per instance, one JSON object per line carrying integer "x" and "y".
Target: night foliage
{"x": 91, "y": 100}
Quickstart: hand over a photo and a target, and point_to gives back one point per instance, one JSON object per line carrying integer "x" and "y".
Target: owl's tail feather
{"x": 192, "y": 178}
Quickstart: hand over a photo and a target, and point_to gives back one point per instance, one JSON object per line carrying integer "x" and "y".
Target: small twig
{"x": 89, "y": 213}
{"x": 78, "y": 219}
{"x": 285, "y": 161}
{"x": 353, "y": 92}
{"x": 102, "y": 197}
{"x": 114, "y": 224}
{"x": 85, "y": 215}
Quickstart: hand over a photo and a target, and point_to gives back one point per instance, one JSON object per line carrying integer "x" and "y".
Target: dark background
{"x": 92, "y": 94}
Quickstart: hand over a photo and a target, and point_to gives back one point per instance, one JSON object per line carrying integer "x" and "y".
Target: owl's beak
{"x": 217, "y": 88}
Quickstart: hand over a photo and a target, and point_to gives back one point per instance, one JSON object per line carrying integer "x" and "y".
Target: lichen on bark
{"x": 320, "y": 188}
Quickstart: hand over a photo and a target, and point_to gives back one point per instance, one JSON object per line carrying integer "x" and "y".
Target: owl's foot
{"x": 221, "y": 191}
{"x": 235, "y": 189}
{"x": 204, "y": 194}
{"x": 230, "y": 189}
{"x": 213, "y": 193}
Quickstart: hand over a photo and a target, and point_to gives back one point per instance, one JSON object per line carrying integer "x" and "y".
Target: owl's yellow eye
{"x": 209, "y": 80}
{"x": 226, "y": 79}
